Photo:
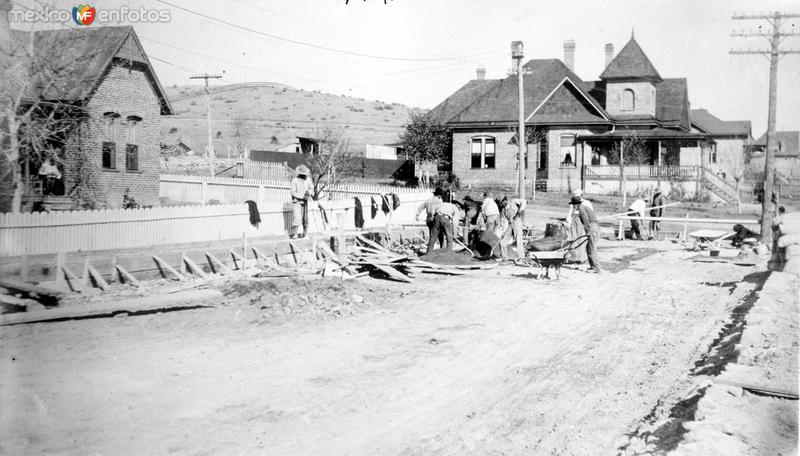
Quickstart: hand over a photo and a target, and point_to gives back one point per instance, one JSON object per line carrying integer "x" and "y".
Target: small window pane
{"x": 132, "y": 157}
{"x": 109, "y": 155}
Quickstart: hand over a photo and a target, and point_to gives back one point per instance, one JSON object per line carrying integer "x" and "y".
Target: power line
{"x": 774, "y": 53}
{"x": 342, "y": 32}
{"x": 172, "y": 64}
{"x": 312, "y": 45}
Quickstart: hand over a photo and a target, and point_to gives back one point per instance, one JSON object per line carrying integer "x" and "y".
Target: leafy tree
{"x": 426, "y": 139}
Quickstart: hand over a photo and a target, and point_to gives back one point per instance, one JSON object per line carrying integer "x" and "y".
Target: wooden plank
{"x": 372, "y": 244}
{"x": 392, "y": 272}
{"x": 74, "y": 282}
{"x": 328, "y": 253}
{"x": 268, "y": 261}
{"x": 296, "y": 249}
{"x": 110, "y": 307}
{"x": 164, "y": 265}
{"x": 127, "y": 275}
{"x": 215, "y": 264}
{"x": 30, "y": 288}
{"x": 194, "y": 267}
{"x": 98, "y": 278}
{"x": 236, "y": 257}
{"x": 751, "y": 378}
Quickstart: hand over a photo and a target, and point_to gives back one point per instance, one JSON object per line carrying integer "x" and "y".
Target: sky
{"x": 418, "y": 52}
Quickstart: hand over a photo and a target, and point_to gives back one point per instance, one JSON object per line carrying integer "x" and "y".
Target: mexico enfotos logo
{"x": 85, "y": 15}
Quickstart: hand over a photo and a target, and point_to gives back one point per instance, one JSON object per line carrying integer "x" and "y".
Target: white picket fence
{"x": 202, "y": 189}
{"x": 46, "y": 233}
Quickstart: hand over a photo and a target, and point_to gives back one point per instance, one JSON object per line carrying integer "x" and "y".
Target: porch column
{"x": 583, "y": 165}
{"x": 659, "y": 153}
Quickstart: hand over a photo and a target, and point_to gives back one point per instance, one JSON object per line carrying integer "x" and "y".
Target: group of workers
{"x": 506, "y": 218}
{"x": 442, "y": 216}
{"x": 638, "y": 210}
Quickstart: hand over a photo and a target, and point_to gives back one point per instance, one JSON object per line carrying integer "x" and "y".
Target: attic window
{"x": 628, "y": 100}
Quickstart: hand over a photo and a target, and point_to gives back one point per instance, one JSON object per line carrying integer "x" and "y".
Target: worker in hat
{"x": 657, "y": 211}
{"x": 590, "y": 225}
{"x": 429, "y": 206}
{"x": 490, "y": 212}
{"x": 301, "y": 190}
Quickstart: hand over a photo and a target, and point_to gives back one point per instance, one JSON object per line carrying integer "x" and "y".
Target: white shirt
{"x": 638, "y": 206}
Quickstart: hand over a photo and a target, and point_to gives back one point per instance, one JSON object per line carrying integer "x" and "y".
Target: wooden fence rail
{"x": 70, "y": 231}
{"x": 202, "y": 189}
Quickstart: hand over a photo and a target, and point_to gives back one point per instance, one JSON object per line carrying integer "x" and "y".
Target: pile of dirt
{"x": 280, "y": 298}
{"x": 450, "y": 258}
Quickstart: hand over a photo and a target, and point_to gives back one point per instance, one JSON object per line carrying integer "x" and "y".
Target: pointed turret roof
{"x": 631, "y": 62}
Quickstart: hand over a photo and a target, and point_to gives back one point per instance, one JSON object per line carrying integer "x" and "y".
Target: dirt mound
{"x": 277, "y": 299}
{"x": 446, "y": 257}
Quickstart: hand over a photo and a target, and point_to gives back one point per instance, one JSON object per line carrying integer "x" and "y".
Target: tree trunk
{"x": 13, "y": 159}
{"x": 738, "y": 198}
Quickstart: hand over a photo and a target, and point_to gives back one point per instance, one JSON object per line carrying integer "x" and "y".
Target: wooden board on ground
{"x": 752, "y": 378}
{"x": 192, "y": 298}
{"x": 31, "y": 289}
{"x": 328, "y": 253}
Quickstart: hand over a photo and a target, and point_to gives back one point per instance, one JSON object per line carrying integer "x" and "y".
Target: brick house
{"x": 107, "y": 82}
{"x": 572, "y": 125}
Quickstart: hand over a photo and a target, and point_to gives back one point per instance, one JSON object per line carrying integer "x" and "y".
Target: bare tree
{"x": 240, "y": 133}
{"x": 34, "y": 124}
{"x": 333, "y": 162}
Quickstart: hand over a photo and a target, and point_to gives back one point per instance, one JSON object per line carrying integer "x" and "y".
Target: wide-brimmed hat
{"x": 302, "y": 170}
{"x": 656, "y": 191}
{"x": 575, "y": 200}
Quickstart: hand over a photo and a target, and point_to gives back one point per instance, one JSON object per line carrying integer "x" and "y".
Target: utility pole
{"x": 516, "y": 54}
{"x": 774, "y": 54}
{"x": 210, "y": 146}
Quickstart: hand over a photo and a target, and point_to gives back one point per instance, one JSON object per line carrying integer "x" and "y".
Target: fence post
{"x": 685, "y": 229}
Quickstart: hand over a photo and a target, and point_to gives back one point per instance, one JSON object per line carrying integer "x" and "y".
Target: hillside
{"x": 273, "y": 115}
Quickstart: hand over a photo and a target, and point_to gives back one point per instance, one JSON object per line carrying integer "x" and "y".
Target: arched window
{"x": 110, "y": 138}
{"x": 628, "y": 100}
{"x": 132, "y": 146}
{"x": 482, "y": 152}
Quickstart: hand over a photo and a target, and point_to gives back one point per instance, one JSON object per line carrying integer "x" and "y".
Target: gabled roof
{"x": 462, "y": 98}
{"x": 714, "y": 126}
{"x": 631, "y": 63}
{"x": 498, "y": 101}
{"x": 72, "y": 62}
{"x": 788, "y": 143}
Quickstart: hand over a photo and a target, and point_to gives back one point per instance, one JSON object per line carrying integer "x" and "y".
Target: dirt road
{"x": 494, "y": 363}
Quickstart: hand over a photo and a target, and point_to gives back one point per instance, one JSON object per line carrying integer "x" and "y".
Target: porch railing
{"x": 642, "y": 171}
{"x": 720, "y": 186}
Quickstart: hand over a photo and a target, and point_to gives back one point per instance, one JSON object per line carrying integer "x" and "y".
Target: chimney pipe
{"x": 5, "y": 26}
{"x": 569, "y": 54}
{"x": 480, "y": 73}
{"x": 609, "y": 53}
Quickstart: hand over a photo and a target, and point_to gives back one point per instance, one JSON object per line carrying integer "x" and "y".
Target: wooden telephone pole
{"x": 516, "y": 54}
{"x": 774, "y": 54}
{"x": 210, "y": 146}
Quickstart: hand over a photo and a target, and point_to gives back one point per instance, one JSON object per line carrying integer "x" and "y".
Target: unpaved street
{"x": 491, "y": 363}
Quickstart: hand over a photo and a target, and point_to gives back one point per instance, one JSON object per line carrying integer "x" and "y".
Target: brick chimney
{"x": 480, "y": 74}
{"x": 569, "y": 54}
{"x": 609, "y": 53}
{"x": 5, "y": 26}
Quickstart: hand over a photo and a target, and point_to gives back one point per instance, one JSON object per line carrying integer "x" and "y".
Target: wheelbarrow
{"x": 553, "y": 260}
